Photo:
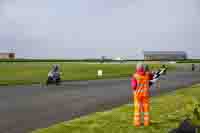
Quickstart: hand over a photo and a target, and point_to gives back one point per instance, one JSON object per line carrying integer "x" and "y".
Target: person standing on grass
{"x": 141, "y": 82}
{"x": 140, "y": 86}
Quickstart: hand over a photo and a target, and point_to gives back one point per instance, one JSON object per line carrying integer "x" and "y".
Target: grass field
{"x": 166, "y": 111}
{"x": 13, "y": 73}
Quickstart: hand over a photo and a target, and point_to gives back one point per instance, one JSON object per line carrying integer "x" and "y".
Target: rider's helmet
{"x": 55, "y": 68}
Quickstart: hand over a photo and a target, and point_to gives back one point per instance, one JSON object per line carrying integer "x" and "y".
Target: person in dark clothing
{"x": 193, "y": 67}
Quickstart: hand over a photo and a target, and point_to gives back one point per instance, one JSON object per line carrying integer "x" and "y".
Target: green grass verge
{"x": 189, "y": 61}
{"x": 166, "y": 112}
{"x": 13, "y": 73}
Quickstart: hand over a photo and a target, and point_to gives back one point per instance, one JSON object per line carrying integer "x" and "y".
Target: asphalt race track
{"x": 26, "y": 108}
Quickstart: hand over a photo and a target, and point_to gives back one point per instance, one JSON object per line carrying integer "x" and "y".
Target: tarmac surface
{"x": 26, "y": 108}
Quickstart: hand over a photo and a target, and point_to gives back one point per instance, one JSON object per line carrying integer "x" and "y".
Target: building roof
{"x": 164, "y": 53}
{"x": 4, "y": 53}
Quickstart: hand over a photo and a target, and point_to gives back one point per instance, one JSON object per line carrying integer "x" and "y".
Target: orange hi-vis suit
{"x": 141, "y": 99}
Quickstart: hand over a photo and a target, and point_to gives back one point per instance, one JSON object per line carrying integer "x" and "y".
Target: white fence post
{"x": 100, "y": 73}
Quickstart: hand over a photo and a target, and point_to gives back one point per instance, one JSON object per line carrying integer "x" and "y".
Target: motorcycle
{"x": 54, "y": 76}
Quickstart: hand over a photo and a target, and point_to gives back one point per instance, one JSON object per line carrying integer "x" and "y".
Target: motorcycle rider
{"x": 54, "y": 74}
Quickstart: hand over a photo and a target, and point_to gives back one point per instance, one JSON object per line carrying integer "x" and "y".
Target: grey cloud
{"x": 92, "y": 28}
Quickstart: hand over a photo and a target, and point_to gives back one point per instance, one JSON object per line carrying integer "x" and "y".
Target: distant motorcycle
{"x": 54, "y": 76}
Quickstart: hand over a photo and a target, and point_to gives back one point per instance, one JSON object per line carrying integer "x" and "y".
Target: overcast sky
{"x": 92, "y": 28}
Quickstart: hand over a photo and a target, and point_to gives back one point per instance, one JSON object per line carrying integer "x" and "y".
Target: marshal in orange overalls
{"x": 141, "y": 99}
